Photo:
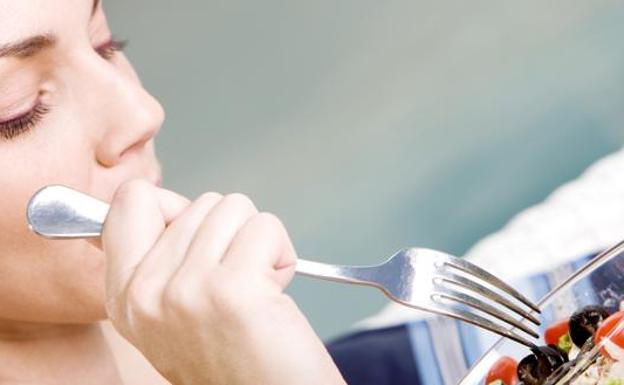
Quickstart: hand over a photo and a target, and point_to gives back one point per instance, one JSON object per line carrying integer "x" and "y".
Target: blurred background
{"x": 372, "y": 125}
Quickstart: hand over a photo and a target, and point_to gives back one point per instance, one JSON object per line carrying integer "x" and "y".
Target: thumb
{"x": 138, "y": 215}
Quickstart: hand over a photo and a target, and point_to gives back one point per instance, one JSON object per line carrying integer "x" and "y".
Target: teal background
{"x": 370, "y": 125}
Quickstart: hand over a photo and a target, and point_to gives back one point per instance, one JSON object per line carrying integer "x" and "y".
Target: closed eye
{"x": 108, "y": 49}
{"x": 16, "y": 126}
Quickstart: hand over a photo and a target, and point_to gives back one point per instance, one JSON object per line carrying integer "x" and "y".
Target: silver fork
{"x": 420, "y": 278}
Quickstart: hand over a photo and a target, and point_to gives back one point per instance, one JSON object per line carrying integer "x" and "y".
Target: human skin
{"x": 93, "y": 128}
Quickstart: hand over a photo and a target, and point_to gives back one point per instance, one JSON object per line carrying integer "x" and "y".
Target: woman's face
{"x": 72, "y": 111}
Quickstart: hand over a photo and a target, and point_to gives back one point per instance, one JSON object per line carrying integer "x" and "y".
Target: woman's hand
{"x": 198, "y": 286}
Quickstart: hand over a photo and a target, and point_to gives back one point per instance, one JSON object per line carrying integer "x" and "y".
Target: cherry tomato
{"x": 505, "y": 369}
{"x": 607, "y": 327}
{"x": 555, "y": 331}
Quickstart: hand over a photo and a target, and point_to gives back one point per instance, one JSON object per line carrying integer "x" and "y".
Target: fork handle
{"x": 60, "y": 212}
{"x": 346, "y": 274}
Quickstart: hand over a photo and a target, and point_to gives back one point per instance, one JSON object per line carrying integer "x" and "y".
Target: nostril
{"x": 107, "y": 158}
{"x": 121, "y": 143}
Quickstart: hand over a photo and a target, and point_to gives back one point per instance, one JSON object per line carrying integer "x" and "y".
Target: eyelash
{"x": 16, "y": 126}
{"x": 108, "y": 50}
{"x": 21, "y": 124}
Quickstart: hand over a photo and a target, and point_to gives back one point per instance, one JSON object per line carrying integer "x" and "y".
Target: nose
{"x": 133, "y": 117}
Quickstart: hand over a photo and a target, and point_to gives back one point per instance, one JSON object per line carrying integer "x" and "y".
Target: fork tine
{"x": 482, "y": 322}
{"x": 465, "y": 299}
{"x": 476, "y": 287}
{"x": 475, "y": 270}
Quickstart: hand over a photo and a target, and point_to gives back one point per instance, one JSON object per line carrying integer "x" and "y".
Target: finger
{"x": 171, "y": 204}
{"x": 216, "y": 232}
{"x": 263, "y": 244}
{"x": 170, "y": 249}
{"x": 138, "y": 215}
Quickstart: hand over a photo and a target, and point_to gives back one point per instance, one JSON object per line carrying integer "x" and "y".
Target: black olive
{"x": 535, "y": 368}
{"x": 587, "y": 346}
{"x": 585, "y": 322}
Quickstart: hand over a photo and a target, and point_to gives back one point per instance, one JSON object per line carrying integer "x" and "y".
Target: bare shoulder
{"x": 134, "y": 368}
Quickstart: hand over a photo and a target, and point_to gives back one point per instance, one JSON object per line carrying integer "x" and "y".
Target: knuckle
{"x": 209, "y": 197}
{"x": 225, "y": 301}
{"x": 225, "y": 293}
{"x": 180, "y": 298}
{"x": 269, "y": 220}
{"x": 232, "y": 298}
{"x": 268, "y": 223}
{"x": 140, "y": 299}
{"x": 240, "y": 200}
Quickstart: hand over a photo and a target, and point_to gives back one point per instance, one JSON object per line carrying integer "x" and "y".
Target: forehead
{"x": 20, "y": 19}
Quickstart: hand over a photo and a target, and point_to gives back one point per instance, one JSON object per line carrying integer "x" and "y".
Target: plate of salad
{"x": 582, "y": 334}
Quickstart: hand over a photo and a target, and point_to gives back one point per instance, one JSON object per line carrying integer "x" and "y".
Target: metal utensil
{"x": 420, "y": 278}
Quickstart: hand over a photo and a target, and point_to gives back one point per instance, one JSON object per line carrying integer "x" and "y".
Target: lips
{"x": 155, "y": 179}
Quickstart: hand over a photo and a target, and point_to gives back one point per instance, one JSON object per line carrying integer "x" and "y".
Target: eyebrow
{"x": 33, "y": 45}
{"x": 28, "y": 47}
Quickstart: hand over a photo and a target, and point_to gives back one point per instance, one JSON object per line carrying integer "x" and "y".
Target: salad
{"x": 576, "y": 344}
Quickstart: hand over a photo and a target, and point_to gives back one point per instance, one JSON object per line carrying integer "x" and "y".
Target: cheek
{"x": 54, "y": 152}
{"x": 70, "y": 273}
{"x": 37, "y": 161}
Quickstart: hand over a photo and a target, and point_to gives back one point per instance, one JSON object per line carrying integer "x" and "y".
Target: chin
{"x": 76, "y": 289}
{"x": 90, "y": 290}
